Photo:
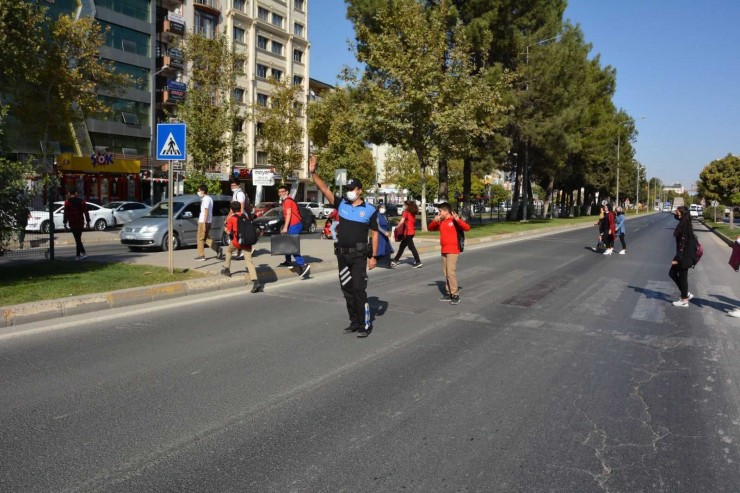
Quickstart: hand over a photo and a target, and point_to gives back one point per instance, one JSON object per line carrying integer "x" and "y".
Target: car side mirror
{"x": 187, "y": 215}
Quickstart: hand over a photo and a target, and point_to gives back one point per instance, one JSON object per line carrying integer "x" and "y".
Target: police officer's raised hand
{"x": 312, "y": 164}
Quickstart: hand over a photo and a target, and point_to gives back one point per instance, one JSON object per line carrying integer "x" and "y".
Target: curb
{"x": 720, "y": 235}
{"x": 37, "y": 311}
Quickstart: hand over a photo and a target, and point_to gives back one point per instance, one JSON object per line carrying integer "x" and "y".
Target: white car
{"x": 125, "y": 212}
{"x": 320, "y": 211}
{"x": 695, "y": 210}
{"x": 100, "y": 218}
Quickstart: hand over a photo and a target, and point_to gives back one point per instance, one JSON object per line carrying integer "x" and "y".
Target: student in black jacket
{"x": 684, "y": 257}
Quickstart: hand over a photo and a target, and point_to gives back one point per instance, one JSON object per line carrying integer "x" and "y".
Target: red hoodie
{"x": 448, "y": 233}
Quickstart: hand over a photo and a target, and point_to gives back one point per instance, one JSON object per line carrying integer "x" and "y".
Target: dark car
{"x": 263, "y": 207}
{"x": 271, "y": 222}
{"x": 393, "y": 210}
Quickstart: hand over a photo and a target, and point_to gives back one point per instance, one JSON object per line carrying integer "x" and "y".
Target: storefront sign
{"x": 177, "y": 28}
{"x": 176, "y": 58}
{"x": 176, "y": 90}
{"x": 98, "y": 162}
{"x": 263, "y": 177}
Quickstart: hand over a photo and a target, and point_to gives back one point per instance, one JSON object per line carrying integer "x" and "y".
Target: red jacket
{"x": 735, "y": 257}
{"x": 448, "y": 233}
{"x": 75, "y": 213}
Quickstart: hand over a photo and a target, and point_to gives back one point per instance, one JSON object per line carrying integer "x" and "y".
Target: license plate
{"x": 128, "y": 237}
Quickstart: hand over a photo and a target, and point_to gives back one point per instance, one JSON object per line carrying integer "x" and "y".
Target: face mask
{"x": 677, "y": 217}
{"x": 201, "y": 194}
{"x": 382, "y": 211}
{"x": 352, "y": 195}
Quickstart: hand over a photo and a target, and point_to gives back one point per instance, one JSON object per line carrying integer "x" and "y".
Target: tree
{"x": 281, "y": 133}
{"x": 721, "y": 181}
{"x": 212, "y": 116}
{"x": 195, "y": 178}
{"x": 13, "y": 196}
{"x": 403, "y": 170}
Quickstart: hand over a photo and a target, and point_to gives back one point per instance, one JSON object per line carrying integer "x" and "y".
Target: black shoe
{"x": 304, "y": 271}
{"x": 285, "y": 264}
{"x": 454, "y": 300}
{"x": 445, "y": 298}
{"x": 351, "y": 329}
{"x": 225, "y": 272}
{"x": 257, "y": 287}
{"x": 363, "y": 333}
{"x": 417, "y": 265}
{"x": 220, "y": 254}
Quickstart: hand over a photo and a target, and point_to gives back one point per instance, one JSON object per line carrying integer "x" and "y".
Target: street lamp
{"x": 619, "y": 139}
{"x": 153, "y": 141}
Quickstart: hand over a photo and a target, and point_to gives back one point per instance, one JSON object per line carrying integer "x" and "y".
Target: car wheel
{"x": 165, "y": 242}
{"x": 45, "y": 227}
{"x": 101, "y": 224}
{"x": 312, "y": 227}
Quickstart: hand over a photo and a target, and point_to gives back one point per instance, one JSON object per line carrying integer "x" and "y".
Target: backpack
{"x": 698, "y": 251}
{"x": 246, "y": 232}
{"x": 460, "y": 237}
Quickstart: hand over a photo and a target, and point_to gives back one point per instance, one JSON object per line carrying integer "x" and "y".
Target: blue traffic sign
{"x": 171, "y": 142}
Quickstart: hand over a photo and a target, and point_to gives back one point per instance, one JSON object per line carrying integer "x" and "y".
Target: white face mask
{"x": 200, "y": 194}
{"x": 352, "y": 195}
{"x": 382, "y": 210}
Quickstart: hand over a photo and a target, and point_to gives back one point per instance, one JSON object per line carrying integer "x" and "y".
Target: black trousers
{"x": 408, "y": 241}
{"x": 77, "y": 233}
{"x": 681, "y": 278}
{"x": 621, "y": 240}
{"x": 353, "y": 282}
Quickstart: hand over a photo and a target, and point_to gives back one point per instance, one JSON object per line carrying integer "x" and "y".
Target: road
{"x": 561, "y": 370}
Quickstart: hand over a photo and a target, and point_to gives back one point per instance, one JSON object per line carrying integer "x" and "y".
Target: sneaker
{"x": 83, "y": 256}
{"x": 734, "y": 313}
{"x": 285, "y": 264}
{"x": 393, "y": 264}
{"x": 350, "y": 329}
{"x": 681, "y": 303}
{"x": 607, "y": 252}
{"x": 225, "y": 272}
{"x": 623, "y": 252}
{"x": 220, "y": 253}
{"x": 257, "y": 287}
{"x": 304, "y": 271}
{"x": 454, "y": 300}
{"x": 363, "y": 333}
{"x": 691, "y": 295}
{"x": 446, "y": 298}
{"x": 200, "y": 258}
{"x": 77, "y": 257}
{"x": 417, "y": 265}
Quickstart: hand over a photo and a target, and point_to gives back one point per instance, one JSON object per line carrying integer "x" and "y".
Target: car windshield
{"x": 162, "y": 209}
{"x": 264, "y": 205}
{"x": 112, "y": 205}
{"x": 275, "y": 212}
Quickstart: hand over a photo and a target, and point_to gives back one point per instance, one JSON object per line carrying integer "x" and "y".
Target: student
{"x": 408, "y": 223}
{"x": 292, "y": 225}
{"x": 75, "y": 214}
{"x": 447, "y": 223}
{"x": 735, "y": 264}
{"x": 231, "y": 229}
{"x": 620, "y": 229}
{"x": 684, "y": 256}
{"x": 204, "y": 224}
{"x": 609, "y": 230}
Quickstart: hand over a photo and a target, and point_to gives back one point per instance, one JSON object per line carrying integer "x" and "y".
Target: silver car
{"x": 150, "y": 230}
{"x": 125, "y": 212}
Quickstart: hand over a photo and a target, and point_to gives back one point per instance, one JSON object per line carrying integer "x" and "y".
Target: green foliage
{"x": 282, "y": 135}
{"x": 710, "y": 213}
{"x": 721, "y": 180}
{"x": 14, "y": 197}
{"x": 499, "y": 194}
{"x": 209, "y": 109}
{"x": 196, "y": 178}
{"x": 402, "y": 169}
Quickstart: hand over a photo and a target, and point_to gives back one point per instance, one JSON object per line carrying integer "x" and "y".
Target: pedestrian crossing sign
{"x": 171, "y": 142}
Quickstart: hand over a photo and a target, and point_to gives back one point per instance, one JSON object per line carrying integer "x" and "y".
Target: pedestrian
{"x": 684, "y": 257}
{"x": 620, "y": 230}
{"x": 238, "y": 195}
{"x": 735, "y": 264}
{"x": 352, "y": 249}
{"x": 292, "y": 225}
{"x": 385, "y": 247}
{"x": 609, "y": 229}
{"x": 231, "y": 229}
{"x": 600, "y": 224}
{"x": 408, "y": 225}
{"x": 334, "y": 218}
{"x": 24, "y": 214}
{"x": 76, "y": 215}
{"x": 447, "y": 223}
{"x": 204, "y": 224}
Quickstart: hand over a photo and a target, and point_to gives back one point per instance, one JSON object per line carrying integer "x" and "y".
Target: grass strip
{"x": 27, "y": 282}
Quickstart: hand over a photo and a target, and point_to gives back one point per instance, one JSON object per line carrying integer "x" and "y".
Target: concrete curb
{"x": 51, "y": 309}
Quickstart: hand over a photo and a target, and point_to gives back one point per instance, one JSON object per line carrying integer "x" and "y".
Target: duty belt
{"x": 346, "y": 250}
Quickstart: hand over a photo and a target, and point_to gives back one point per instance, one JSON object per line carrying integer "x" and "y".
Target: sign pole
{"x": 170, "y": 250}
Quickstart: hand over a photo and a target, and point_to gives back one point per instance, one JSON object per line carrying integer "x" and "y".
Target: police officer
{"x": 351, "y": 248}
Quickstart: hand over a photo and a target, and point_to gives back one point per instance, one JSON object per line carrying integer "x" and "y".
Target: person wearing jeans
{"x": 292, "y": 225}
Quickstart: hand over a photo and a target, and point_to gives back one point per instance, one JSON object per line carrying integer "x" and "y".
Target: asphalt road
{"x": 561, "y": 370}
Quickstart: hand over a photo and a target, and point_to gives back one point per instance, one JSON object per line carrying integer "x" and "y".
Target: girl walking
{"x": 619, "y": 223}
{"x": 408, "y": 223}
{"x": 684, "y": 257}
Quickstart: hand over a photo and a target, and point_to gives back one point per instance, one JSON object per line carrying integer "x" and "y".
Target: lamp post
{"x": 153, "y": 141}
{"x": 619, "y": 140}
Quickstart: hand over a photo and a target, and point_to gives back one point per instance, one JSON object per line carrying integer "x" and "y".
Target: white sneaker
{"x": 83, "y": 256}
{"x": 623, "y": 252}
{"x": 608, "y": 252}
{"x": 681, "y": 303}
{"x": 734, "y": 313}
{"x": 691, "y": 295}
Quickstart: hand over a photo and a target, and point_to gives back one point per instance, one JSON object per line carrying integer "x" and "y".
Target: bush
{"x": 709, "y": 213}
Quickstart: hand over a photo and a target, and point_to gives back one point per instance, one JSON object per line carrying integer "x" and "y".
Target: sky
{"x": 677, "y": 64}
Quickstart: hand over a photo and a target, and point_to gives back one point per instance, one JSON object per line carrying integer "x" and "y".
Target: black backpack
{"x": 246, "y": 232}
{"x": 460, "y": 237}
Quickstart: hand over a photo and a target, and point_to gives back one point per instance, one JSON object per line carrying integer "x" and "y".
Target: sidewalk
{"x": 319, "y": 253}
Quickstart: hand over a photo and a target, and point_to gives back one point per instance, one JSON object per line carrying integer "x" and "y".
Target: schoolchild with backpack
{"x": 452, "y": 238}
{"x": 243, "y": 234}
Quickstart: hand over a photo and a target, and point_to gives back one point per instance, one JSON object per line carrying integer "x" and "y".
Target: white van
{"x": 695, "y": 210}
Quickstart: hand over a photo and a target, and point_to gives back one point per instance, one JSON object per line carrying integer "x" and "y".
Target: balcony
{"x": 212, "y": 6}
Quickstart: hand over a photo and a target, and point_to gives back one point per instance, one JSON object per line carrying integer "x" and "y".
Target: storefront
{"x": 102, "y": 178}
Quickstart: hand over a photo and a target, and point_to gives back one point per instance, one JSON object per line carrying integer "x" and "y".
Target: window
{"x": 124, "y": 39}
{"x": 277, "y": 20}
{"x": 239, "y": 95}
{"x": 239, "y": 34}
{"x": 262, "y": 42}
{"x": 135, "y": 111}
{"x": 298, "y": 29}
{"x": 263, "y": 14}
{"x": 239, "y": 5}
{"x": 277, "y": 48}
{"x": 205, "y": 24}
{"x": 262, "y": 99}
{"x": 261, "y": 71}
{"x": 138, "y": 9}
{"x": 262, "y": 158}
{"x": 139, "y": 76}
{"x": 297, "y": 80}
{"x": 258, "y": 128}
{"x": 299, "y": 5}
{"x": 277, "y": 74}
{"x": 239, "y": 125}
{"x": 298, "y": 56}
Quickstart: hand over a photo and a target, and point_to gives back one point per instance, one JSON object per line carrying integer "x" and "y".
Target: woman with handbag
{"x": 408, "y": 223}
{"x": 385, "y": 248}
{"x": 684, "y": 257}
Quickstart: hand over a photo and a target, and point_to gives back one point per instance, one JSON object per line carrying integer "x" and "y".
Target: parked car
{"x": 392, "y": 210}
{"x": 100, "y": 218}
{"x": 320, "y": 211}
{"x": 150, "y": 230}
{"x": 432, "y": 209}
{"x": 735, "y": 212}
{"x": 125, "y": 212}
{"x": 271, "y": 222}
{"x": 263, "y": 207}
{"x": 695, "y": 210}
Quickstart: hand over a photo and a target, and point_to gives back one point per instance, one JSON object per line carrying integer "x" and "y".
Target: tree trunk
{"x": 444, "y": 191}
{"x": 467, "y": 171}
{"x": 549, "y": 195}
{"x": 423, "y": 197}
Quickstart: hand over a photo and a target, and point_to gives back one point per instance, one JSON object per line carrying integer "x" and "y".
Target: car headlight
{"x": 149, "y": 229}
{"x": 274, "y": 221}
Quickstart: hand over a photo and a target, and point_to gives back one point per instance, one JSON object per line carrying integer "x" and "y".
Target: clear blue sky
{"x": 677, "y": 62}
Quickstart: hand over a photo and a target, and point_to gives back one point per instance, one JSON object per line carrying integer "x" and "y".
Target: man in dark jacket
{"x": 75, "y": 214}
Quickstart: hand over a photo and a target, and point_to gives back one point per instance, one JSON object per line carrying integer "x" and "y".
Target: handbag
{"x": 285, "y": 245}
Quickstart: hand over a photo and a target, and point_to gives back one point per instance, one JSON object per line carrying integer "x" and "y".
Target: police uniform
{"x": 352, "y": 251}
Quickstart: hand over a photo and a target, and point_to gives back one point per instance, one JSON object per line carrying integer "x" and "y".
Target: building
{"x": 677, "y": 188}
